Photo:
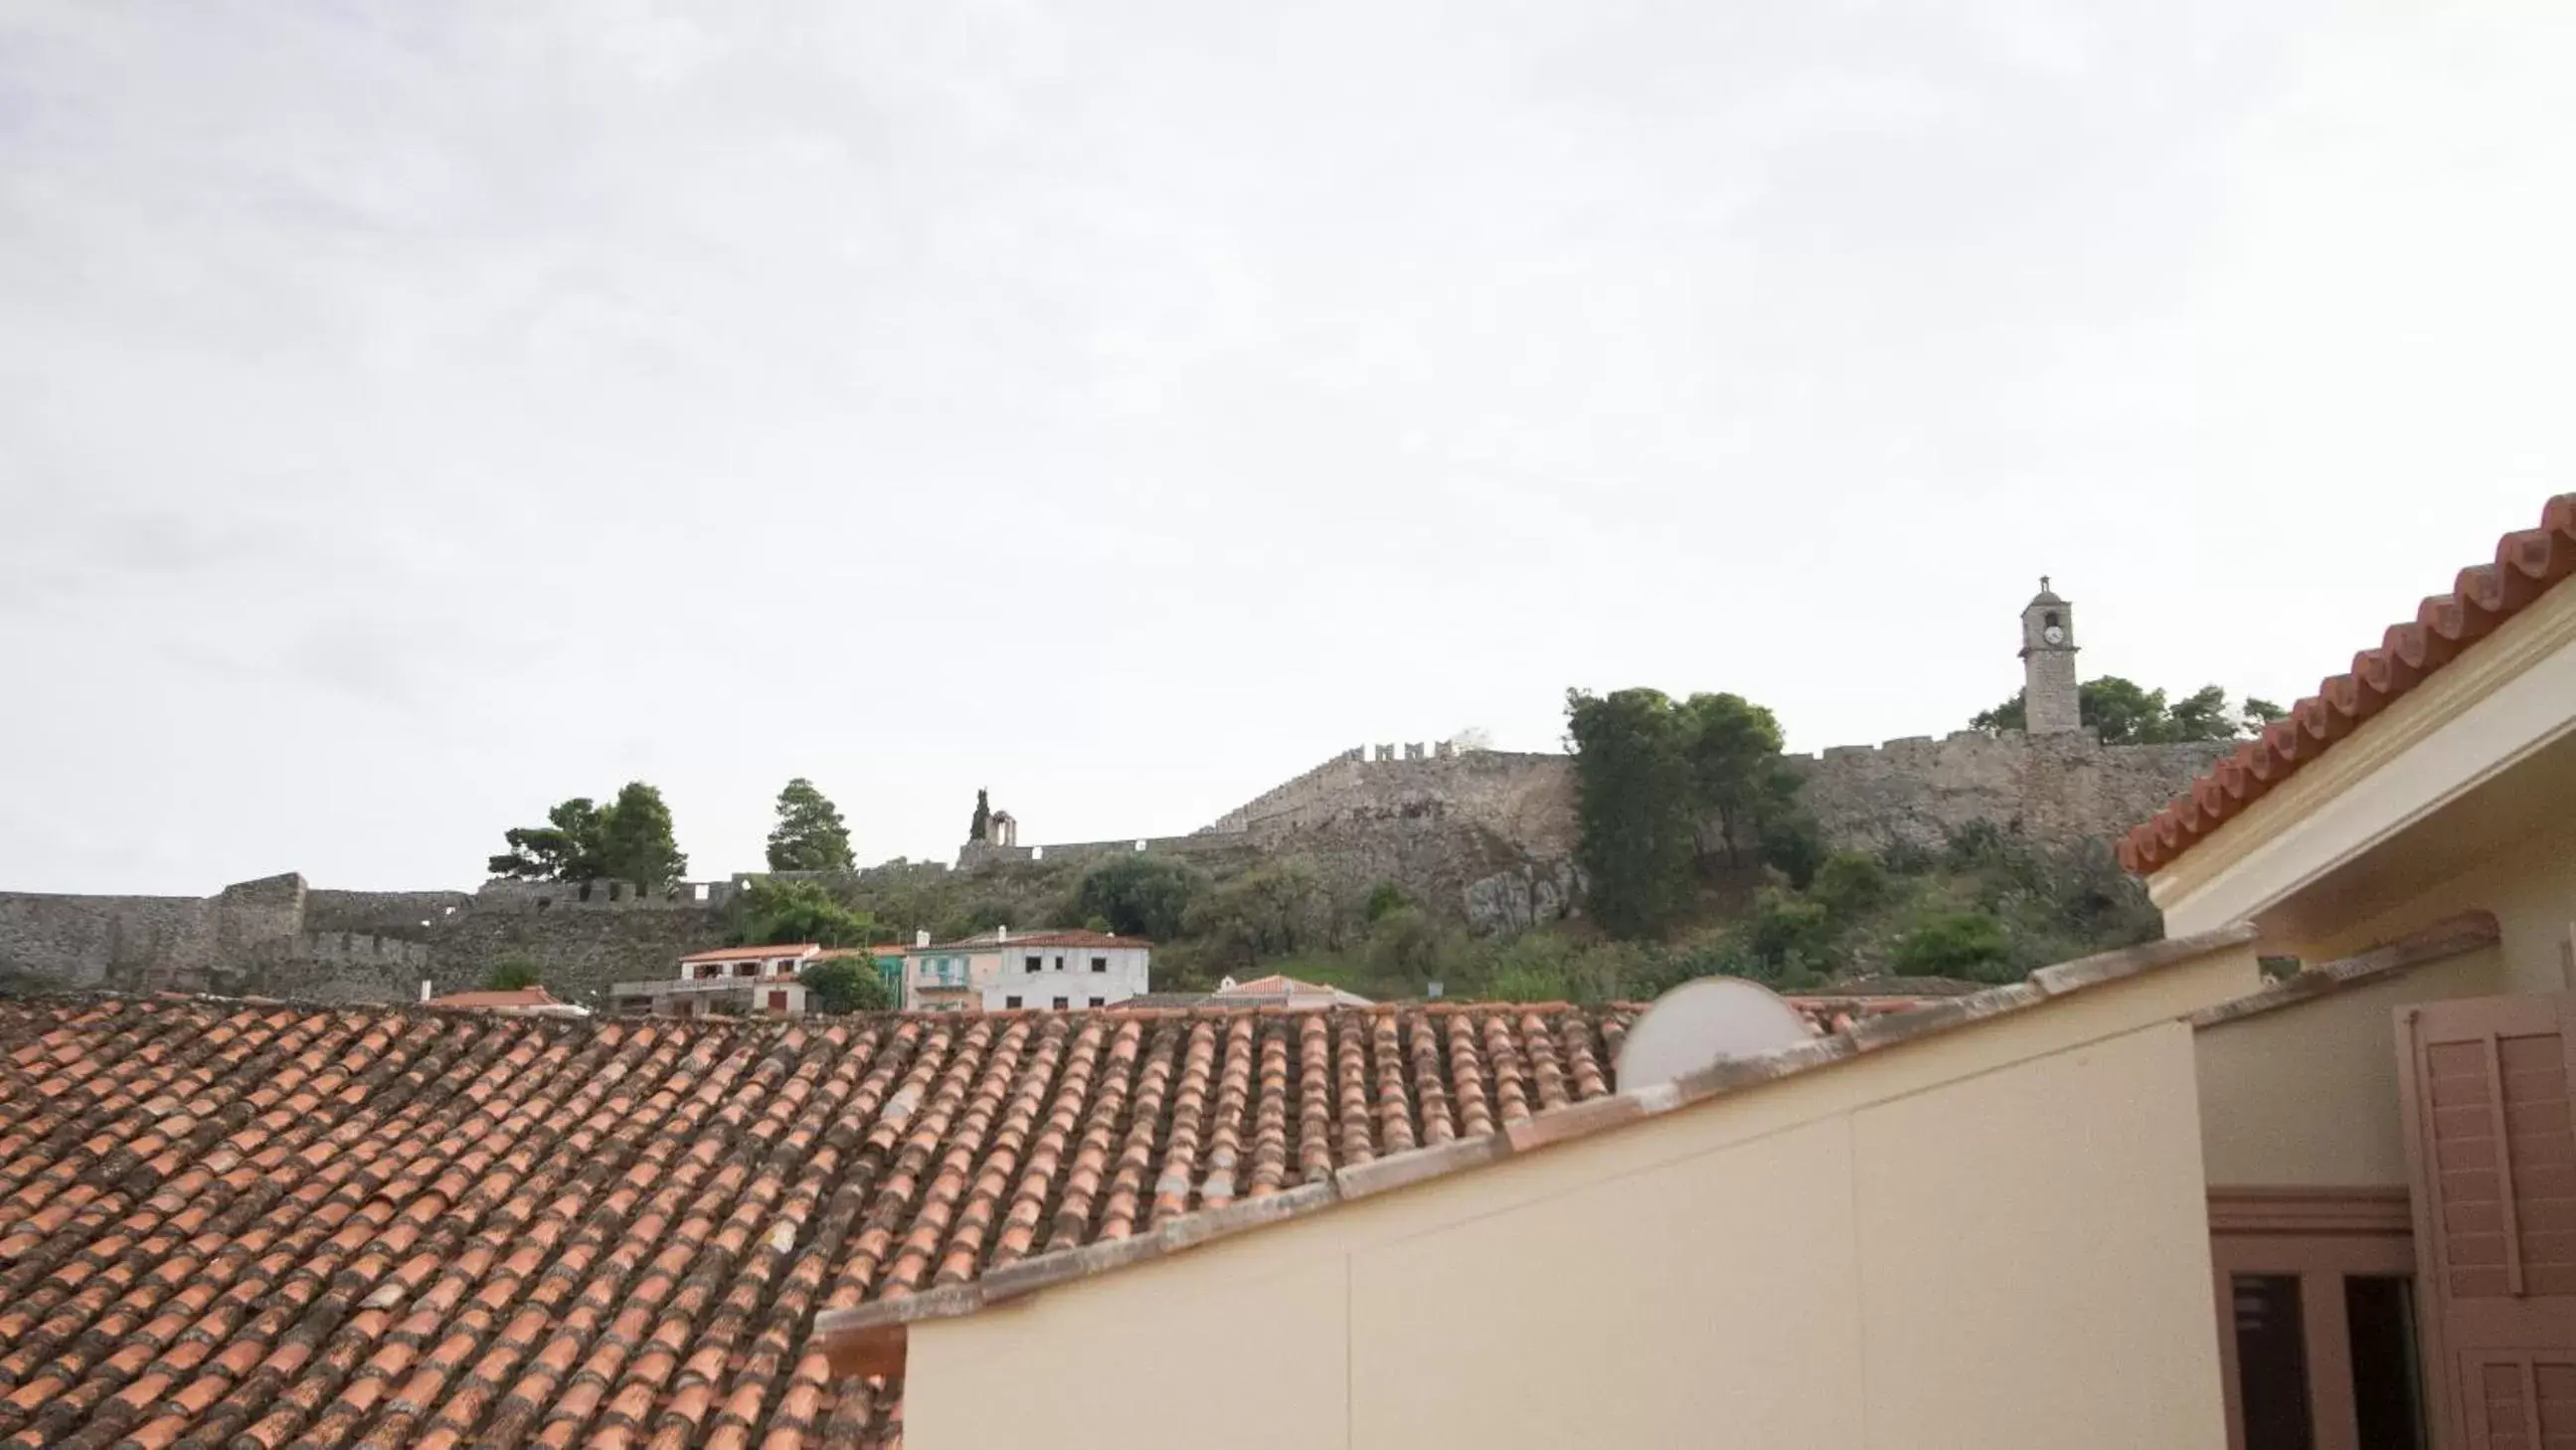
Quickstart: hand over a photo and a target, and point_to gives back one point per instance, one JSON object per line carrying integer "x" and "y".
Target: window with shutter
{"x": 2492, "y": 1151}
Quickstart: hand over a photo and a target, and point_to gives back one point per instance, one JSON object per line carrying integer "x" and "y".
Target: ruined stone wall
{"x": 127, "y": 943}
{"x": 274, "y": 938}
{"x": 1485, "y": 836}
{"x": 2055, "y": 789}
{"x": 401, "y": 913}
{"x": 1489, "y": 835}
{"x": 976, "y": 855}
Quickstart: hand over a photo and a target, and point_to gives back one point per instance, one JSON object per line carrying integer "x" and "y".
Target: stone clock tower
{"x": 2048, "y": 665}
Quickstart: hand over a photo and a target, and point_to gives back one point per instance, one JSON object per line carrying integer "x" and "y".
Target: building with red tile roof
{"x": 1002, "y": 970}
{"x": 523, "y": 1001}
{"x": 260, "y": 1224}
{"x": 2527, "y": 564}
{"x": 735, "y": 981}
{"x": 1286, "y": 991}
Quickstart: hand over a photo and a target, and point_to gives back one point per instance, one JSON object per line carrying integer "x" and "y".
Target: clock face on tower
{"x": 2053, "y": 634}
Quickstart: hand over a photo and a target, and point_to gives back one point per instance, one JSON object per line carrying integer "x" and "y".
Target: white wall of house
{"x": 1068, "y": 972}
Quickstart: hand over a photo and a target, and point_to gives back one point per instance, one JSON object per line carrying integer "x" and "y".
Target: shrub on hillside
{"x": 1138, "y": 895}
{"x": 1849, "y": 883}
{"x": 1790, "y": 930}
{"x": 1792, "y": 846}
{"x": 1384, "y": 897}
{"x": 1966, "y": 944}
{"x": 511, "y": 976}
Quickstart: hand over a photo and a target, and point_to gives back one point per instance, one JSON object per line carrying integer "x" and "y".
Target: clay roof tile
{"x": 461, "y": 1230}
{"x": 2527, "y": 564}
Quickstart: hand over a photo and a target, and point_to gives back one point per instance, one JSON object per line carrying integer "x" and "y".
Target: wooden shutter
{"x": 2491, "y": 1143}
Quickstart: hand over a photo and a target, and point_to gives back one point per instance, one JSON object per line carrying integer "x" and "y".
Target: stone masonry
{"x": 1489, "y": 835}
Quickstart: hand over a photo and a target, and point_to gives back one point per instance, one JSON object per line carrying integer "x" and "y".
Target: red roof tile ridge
{"x": 2527, "y": 564}
{"x": 777, "y": 949}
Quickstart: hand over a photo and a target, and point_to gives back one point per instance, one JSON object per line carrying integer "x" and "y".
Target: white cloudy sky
{"x": 412, "y": 414}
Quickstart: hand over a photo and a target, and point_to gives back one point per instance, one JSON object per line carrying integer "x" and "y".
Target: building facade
{"x": 1065, "y": 970}
{"x": 733, "y": 981}
{"x": 1003, "y": 971}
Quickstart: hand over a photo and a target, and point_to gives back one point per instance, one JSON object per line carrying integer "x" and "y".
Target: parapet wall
{"x": 975, "y": 855}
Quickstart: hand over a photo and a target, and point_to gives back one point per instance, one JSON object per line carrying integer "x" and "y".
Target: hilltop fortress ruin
{"x": 1483, "y": 835}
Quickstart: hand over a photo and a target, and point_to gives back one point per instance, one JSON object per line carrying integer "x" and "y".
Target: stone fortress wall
{"x": 1481, "y": 834}
{"x": 278, "y": 937}
{"x": 1490, "y": 834}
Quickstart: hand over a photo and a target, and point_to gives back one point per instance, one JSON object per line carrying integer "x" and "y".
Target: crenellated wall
{"x": 1491, "y": 834}
{"x": 1487, "y": 836}
{"x": 275, "y": 937}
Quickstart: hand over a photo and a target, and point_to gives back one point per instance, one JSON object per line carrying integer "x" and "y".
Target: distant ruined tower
{"x": 2049, "y": 702}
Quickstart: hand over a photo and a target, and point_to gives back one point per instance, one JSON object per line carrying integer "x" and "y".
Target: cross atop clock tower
{"x": 2049, "y": 700}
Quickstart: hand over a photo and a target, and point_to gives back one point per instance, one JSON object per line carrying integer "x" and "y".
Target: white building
{"x": 748, "y": 980}
{"x": 1056, "y": 970}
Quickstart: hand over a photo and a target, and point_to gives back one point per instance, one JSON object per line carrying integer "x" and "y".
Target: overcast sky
{"x": 414, "y": 414}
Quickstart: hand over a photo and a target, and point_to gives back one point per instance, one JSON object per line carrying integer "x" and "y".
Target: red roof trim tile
{"x": 1036, "y": 939}
{"x": 515, "y": 997}
{"x": 2527, "y": 564}
{"x": 746, "y": 954}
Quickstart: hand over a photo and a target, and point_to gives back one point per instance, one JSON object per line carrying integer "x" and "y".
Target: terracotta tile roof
{"x": 1280, "y": 986}
{"x": 739, "y": 954}
{"x": 253, "y": 1225}
{"x": 2526, "y": 565}
{"x": 872, "y": 1331}
{"x": 988, "y": 941}
{"x": 519, "y": 1000}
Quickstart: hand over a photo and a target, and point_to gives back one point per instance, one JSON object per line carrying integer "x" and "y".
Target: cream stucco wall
{"x": 1992, "y": 1238}
{"x": 2528, "y": 881}
{"x": 2306, "y": 1096}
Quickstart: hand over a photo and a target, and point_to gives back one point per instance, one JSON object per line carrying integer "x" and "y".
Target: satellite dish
{"x": 1702, "y": 1022}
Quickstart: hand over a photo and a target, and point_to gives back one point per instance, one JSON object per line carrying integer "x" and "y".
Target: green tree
{"x": 1406, "y": 945}
{"x": 1737, "y": 776}
{"x": 982, "y": 826}
{"x": 1848, "y": 883}
{"x": 810, "y": 835}
{"x": 1384, "y": 897}
{"x": 1275, "y": 909}
{"x": 635, "y": 839}
{"x": 1140, "y": 894}
{"x": 566, "y": 848}
{"x": 2122, "y": 712}
{"x": 2200, "y": 715}
{"x": 511, "y": 975}
{"x": 1966, "y": 944}
{"x": 1793, "y": 846}
{"x": 2258, "y": 713}
{"x": 1636, "y": 827}
{"x": 847, "y": 984}
{"x": 1791, "y": 931}
{"x": 770, "y": 912}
